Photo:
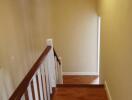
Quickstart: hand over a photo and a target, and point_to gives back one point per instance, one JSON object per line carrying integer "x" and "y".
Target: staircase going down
{"x": 45, "y": 81}
{"x": 79, "y": 91}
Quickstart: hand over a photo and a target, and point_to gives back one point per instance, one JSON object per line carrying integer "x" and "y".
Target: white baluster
{"x": 44, "y": 82}
{"x": 51, "y": 64}
{"x": 60, "y": 71}
{"x": 23, "y": 97}
{"x": 46, "y": 78}
{"x": 30, "y": 92}
{"x": 40, "y": 84}
{"x": 57, "y": 74}
{"x": 35, "y": 87}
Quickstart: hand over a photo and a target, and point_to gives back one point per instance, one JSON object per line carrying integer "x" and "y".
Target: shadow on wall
{"x": 5, "y": 84}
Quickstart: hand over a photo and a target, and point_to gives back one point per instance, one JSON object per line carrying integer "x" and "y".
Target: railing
{"x": 38, "y": 83}
{"x": 57, "y": 58}
{"x": 58, "y": 68}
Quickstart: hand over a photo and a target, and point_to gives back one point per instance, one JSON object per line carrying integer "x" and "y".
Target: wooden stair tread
{"x": 80, "y": 85}
{"x": 79, "y": 92}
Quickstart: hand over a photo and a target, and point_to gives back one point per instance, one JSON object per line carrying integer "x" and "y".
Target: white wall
{"x": 75, "y": 34}
{"x": 24, "y": 27}
{"x": 116, "y": 47}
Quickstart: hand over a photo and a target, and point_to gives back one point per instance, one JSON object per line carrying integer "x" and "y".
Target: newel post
{"x": 51, "y": 64}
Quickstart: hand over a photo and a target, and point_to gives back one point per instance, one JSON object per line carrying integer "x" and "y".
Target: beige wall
{"x": 116, "y": 47}
{"x": 75, "y": 34}
{"x": 24, "y": 27}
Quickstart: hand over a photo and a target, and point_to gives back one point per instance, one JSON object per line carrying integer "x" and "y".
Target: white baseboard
{"x": 80, "y": 73}
{"x": 107, "y": 90}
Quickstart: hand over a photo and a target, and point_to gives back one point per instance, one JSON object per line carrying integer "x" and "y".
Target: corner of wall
{"x": 107, "y": 91}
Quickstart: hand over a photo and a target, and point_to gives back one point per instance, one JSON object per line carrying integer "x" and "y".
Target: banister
{"x": 25, "y": 82}
{"x": 55, "y": 54}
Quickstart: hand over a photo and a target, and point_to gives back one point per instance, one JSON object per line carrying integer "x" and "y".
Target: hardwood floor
{"x": 74, "y": 79}
{"x": 79, "y": 93}
{"x": 80, "y": 88}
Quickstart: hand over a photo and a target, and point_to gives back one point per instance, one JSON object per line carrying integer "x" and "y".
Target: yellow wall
{"x": 116, "y": 47}
{"x": 75, "y": 34}
{"x": 24, "y": 27}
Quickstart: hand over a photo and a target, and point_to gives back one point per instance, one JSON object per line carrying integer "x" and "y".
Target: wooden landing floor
{"x": 81, "y": 79}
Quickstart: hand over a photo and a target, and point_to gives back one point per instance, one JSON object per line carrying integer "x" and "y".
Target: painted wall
{"x": 24, "y": 27}
{"x": 116, "y": 47}
{"x": 75, "y": 34}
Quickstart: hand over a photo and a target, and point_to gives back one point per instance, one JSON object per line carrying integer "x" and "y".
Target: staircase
{"x": 79, "y": 92}
{"x": 45, "y": 82}
{"x": 77, "y": 87}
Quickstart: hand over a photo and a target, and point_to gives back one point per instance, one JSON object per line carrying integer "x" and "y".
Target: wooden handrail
{"x": 25, "y": 82}
{"x": 55, "y": 54}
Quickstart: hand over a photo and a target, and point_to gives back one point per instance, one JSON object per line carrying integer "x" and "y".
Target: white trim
{"x": 107, "y": 91}
{"x": 98, "y": 40}
{"x": 80, "y": 73}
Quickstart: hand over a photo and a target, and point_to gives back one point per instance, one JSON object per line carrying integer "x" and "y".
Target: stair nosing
{"x": 80, "y": 85}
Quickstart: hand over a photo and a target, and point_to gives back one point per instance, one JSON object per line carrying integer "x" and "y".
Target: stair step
{"x": 80, "y": 85}
{"x": 79, "y": 92}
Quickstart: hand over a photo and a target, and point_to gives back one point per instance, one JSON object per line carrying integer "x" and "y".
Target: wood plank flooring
{"x": 79, "y": 88}
{"x": 79, "y": 79}
{"x": 79, "y": 93}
